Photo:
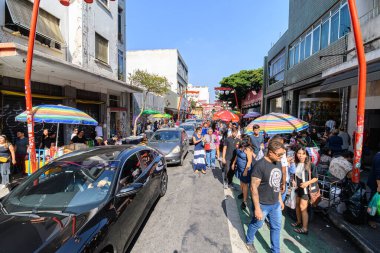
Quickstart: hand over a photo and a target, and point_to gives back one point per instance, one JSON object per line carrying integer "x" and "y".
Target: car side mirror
{"x": 130, "y": 190}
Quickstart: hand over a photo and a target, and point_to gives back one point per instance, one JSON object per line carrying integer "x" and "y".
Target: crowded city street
{"x": 196, "y": 126}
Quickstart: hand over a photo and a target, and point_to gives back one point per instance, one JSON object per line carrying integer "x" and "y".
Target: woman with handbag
{"x": 210, "y": 148}
{"x": 306, "y": 178}
{"x": 7, "y": 155}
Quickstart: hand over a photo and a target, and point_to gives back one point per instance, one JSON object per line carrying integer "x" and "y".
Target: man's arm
{"x": 255, "y": 182}
{"x": 378, "y": 186}
{"x": 224, "y": 153}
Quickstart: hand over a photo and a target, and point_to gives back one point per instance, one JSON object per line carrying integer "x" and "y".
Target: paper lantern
{"x": 65, "y": 2}
{"x": 89, "y": 1}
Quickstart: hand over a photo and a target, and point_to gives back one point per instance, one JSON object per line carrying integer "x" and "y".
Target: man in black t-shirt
{"x": 229, "y": 151}
{"x": 266, "y": 195}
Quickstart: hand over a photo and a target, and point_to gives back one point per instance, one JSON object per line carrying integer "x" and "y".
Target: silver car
{"x": 189, "y": 129}
{"x": 172, "y": 142}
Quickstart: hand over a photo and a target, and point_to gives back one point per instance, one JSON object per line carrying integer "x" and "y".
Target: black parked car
{"x": 87, "y": 201}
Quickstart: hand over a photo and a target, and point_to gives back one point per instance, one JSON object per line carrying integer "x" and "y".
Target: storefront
{"x": 252, "y": 102}
{"x": 12, "y": 101}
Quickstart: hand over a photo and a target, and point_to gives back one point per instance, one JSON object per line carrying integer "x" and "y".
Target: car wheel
{"x": 164, "y": 183}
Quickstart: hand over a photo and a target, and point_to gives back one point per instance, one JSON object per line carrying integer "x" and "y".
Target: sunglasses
{"x": 278, "y": 154}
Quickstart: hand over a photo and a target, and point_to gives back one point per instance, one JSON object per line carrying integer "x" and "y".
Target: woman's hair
{"x": 307, "y": 159}
{"x": 198, "y": 128}
{"x": 245, "y": 142}
{"x": 7, "y": 144}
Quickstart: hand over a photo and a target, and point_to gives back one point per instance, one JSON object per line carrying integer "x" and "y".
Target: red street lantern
{"x": 89, "y": 1}
{"x": 65, "y": 2}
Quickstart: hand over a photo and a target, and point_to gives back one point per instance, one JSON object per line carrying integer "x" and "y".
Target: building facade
{"x": 79, "y": 61}
{"x": 204, "y": 93}
{"x": 311, "y": 71}
{"x": 164, "y": 62}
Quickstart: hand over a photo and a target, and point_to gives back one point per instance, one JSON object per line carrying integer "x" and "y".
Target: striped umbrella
{"x": 251, "y": 115}
{"x": 278, "y": 123}
{"x": 226, "y": 115}
{"x": 58, "y": 114}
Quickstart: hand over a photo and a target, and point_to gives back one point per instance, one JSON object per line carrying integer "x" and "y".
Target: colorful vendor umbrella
{"x": 226, "y": 115}
{"x": 252, "y": 115}
{"x": 147, "y": 112}
{"x": 58, "y": 114}
{"x": 162, "y": 116}
{"x": 278, "y": 123}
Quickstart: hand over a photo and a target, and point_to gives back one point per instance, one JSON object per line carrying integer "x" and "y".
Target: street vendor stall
{"x": 56, "y": 114}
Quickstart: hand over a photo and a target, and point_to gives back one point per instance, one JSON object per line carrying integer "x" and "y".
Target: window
{"x": 120, "y": 65}
{"x": 101, "y": 48}
{"x": 146, "y": 158}
{"x": 291, "y": 57}
{"x": 345, "y": 24}
{"x": 307, "y": 45}
{"x": 131, "y": 171}
{"x": 277, "y": 68}
{"x": 120, "y": 25}
{"x": 316, "y": 39}
{"x": 302, "y": 50}
{"x": 325, "y": 34}
{"x": 296, "y": 54}
{"x": 334, "y": 29}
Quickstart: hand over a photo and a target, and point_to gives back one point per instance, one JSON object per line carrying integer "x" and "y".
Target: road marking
{"x": 235, "y": 226}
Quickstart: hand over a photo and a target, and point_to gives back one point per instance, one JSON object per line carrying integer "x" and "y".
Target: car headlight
{"x": 175, "y": 150}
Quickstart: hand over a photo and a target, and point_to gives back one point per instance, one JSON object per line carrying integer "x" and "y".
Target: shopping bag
{"x": 373, "y": 205}
{"x": 291, "y": 201}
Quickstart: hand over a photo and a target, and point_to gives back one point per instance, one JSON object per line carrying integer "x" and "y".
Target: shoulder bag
{"x": 314, "y": 192}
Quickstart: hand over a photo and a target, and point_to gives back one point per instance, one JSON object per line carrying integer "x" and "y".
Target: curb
{"x": 362, "y": 243}
{"x": 235, "y": 226}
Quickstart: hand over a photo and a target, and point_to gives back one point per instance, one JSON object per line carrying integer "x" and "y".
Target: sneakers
{"x": 243, "y": 205}
{"x": 225, "y": 185}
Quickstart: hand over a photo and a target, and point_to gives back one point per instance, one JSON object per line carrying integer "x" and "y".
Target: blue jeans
{"x": 210, "y": 158}
{"x": 274, "y": 214}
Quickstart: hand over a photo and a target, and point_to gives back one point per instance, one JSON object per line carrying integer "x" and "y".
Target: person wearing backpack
{"x": 374, "y": 184}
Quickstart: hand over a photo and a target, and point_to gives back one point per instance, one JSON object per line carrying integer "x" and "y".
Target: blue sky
{"x": 216, "y": 38}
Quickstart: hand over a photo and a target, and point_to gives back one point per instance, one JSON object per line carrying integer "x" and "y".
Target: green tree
{"x": 242, "y": 82}
{"x": 151, "y": 83}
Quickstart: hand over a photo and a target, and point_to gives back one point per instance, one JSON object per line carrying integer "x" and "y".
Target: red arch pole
{"x": 362, "y": 65}
{"x": 28, "y": 88}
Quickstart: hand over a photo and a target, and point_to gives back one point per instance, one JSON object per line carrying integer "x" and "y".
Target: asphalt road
{"x": 190, "y": 217}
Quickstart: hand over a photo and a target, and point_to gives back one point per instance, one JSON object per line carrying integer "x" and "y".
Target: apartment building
{"x": 79, "y": 61}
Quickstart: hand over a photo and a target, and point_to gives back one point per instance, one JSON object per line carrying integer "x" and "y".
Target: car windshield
{"x": 165, "y": 136}
{"x": 187, "y": 127}
{"x": 64, "y": 186}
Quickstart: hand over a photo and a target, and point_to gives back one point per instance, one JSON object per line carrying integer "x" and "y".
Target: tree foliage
{"x": 242, "y": 82}
{"x": 150, "y": 83}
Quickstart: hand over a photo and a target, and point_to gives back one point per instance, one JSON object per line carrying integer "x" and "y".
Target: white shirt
{"x": 330, "y": 124}
{"x": 284, "y": 163}
{"x": 99, "y": 131}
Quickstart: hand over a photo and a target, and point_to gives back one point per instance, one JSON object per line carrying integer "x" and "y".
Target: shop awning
{"x": 47, "y": 24}
{"x": 82, "y": 101}
{"x": 22, "y": 94}
{"x": 350, "y": 78}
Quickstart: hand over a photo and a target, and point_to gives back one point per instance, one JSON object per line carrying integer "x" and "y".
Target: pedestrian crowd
{"x": 277, "y": 170}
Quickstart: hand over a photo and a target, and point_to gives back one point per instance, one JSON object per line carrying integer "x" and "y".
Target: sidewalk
{"x": 321, "y": 238}
{"x": 365, "y": 237}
